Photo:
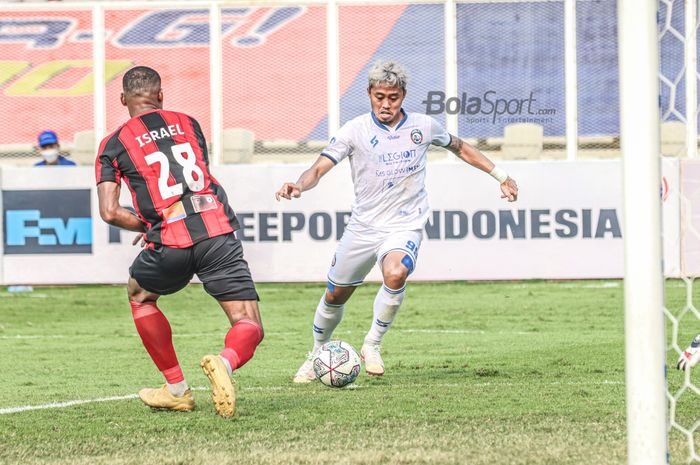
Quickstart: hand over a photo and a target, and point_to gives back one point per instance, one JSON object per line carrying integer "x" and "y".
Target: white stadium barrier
{"x": 567, "y": 224}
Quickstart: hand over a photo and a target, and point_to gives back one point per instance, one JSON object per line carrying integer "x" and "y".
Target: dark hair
{"x": 141, "y": 80}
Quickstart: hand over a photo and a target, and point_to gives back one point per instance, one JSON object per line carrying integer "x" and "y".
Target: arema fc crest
{"x": 416, "y": 136}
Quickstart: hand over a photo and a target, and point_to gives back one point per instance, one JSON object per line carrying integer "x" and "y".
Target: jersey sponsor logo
{"x": 374, "y": 141}
{"x": 390, "y": 158}
{"x": 174, "y": 212}
{"x": 203, "y": 203}
{"x": 47, "y": 221}
{"x": 397, "y": 171}
{"x": 393, "y": 136}
{"x": 416, "y": 136}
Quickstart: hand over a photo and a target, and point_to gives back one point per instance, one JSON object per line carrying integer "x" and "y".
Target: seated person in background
{"x": 50, "y": 151}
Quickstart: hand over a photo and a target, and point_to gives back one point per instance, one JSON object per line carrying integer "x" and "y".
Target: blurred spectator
{"x": 50, "y": 151}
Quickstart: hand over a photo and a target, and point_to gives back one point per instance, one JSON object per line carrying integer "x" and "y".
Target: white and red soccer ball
{"x": 336, "y": 364}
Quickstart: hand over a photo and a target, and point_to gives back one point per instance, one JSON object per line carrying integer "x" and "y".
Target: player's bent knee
{"x": 395, "y": 276}
{"x": 138, "y": 294}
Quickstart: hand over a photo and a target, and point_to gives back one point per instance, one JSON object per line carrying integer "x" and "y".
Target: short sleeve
{"x": 439, "y": 135}
{"x": 201, "y": 141}
{"x": 340, "y": 146}
{"x": 106, "y": 168}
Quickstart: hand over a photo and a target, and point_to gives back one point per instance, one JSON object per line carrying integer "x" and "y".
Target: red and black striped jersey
{"x": 162, "y": 157}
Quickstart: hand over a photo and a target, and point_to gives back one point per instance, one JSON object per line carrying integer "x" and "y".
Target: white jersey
{"x": 388, "y": 169}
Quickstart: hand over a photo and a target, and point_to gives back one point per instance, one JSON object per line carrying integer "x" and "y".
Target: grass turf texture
{"x": 488, "y": 373}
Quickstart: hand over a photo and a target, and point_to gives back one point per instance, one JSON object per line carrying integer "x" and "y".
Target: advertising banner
{"x": 567, "y": 224}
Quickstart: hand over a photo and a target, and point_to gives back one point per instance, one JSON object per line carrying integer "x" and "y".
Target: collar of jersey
{"x": 381, "y": 125}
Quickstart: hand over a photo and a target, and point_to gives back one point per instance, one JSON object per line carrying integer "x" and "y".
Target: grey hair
{"x": 391, "y": 73}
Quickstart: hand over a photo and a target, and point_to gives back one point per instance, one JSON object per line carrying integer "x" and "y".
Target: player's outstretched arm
{"x": 113, "y": 213}
{"x": 307, "y": 180}
{"x": 471, "y": 155}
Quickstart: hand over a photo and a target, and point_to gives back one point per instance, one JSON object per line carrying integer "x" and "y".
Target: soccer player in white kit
{"x": 387, "y": 149}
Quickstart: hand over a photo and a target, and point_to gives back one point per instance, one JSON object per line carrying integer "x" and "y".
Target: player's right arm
{"x": 108, "y": 178}
{"x": 113, "y": 213}
{"x": 308, "y": 179}
{"x": 340, "y": 147}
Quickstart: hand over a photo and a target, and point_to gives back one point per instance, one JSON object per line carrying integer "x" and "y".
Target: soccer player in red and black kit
{"x": 187, "y": 227}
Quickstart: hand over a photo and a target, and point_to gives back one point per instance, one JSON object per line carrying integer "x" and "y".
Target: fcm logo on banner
{"x": 47, "y": 221}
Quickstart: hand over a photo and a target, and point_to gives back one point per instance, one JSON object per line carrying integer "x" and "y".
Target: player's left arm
{"x": 113, "y": 213}
{"x": 474, "y": 157}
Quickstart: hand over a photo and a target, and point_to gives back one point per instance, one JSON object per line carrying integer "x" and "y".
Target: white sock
{"x": 178, "y": 389}
{"x": 386, "y": 306}
{"x": 227, "y": 364}
{"x": 326, "y": 319}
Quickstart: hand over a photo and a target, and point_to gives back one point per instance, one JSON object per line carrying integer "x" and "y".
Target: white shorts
{"x": 359, "y": 250}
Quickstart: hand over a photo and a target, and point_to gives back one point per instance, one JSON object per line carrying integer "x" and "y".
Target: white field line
{"x": 270, "y": 333}
{"x": 72, "y": 403}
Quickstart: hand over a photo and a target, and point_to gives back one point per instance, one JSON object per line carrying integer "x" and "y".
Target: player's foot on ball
{"x": 222, "y": 391}
{"x": 306, "y": 373}
{"x": 163, "y": 398}
{"x": 370, "y": 354}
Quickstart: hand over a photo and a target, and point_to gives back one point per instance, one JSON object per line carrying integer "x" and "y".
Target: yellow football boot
{"x": 162, "y": 398}
{"x": 222, "y": 391}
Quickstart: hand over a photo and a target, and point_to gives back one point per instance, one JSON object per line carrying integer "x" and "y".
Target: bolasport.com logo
{"x": 489, "y": 107}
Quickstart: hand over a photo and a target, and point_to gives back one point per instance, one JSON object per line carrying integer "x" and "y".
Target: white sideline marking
{"x": 72, "y": 403}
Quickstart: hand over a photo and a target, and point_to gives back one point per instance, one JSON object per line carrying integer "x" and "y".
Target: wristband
{"x": 499, "y": 174}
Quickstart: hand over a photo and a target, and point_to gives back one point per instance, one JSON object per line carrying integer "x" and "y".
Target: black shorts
{"x": 218, "y": 262}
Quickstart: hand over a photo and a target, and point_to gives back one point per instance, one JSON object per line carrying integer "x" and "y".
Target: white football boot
{"x": 370, "y": 354}
{"x": 306, "y": 373}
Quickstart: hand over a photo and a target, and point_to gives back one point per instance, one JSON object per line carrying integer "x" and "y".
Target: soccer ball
{"x": 336, "y": 364}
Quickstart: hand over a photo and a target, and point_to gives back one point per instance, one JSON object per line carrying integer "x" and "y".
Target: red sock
{"x": 154, "y": 329}
{"x": 241, "y": 341}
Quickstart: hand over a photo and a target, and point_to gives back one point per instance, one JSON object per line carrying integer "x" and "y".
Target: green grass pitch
{"x": 477, "y": 373}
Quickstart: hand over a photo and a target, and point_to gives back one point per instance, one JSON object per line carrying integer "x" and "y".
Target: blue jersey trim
{"x": 449, "y": 143}
{"x": 383, "y": 126}
{"x": 394, "y": 291}
{"x": 377, "y": 122}
{"x": 353, "y": 284}
{"x": 403, "y": 120}
{"x": 331, "y": 158}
